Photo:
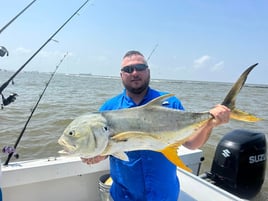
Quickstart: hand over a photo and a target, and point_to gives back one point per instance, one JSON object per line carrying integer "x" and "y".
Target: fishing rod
{"x": 49, "y": 39}
{"x": 155, "y": 47}
{"x": 3, "y": 50}
{"x": 12, "y": 20}
{"x": 12, "y": 150}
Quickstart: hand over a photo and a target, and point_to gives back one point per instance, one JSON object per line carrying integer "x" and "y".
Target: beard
{"x": 137, "y": 90}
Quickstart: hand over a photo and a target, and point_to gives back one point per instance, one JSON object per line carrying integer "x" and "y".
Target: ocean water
{"x": 69, "y": 96}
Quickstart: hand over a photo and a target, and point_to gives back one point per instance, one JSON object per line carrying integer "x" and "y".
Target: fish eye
{"x": 72, "y": 133}
{"x": 105, "y": 128}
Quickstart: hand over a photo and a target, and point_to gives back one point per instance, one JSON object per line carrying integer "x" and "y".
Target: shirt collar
{"x": 131, "y": 103}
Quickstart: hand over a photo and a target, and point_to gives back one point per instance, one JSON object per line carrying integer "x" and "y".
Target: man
{"x": 148, "y": 175}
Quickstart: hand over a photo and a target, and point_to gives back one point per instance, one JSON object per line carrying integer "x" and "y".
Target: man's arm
{"x": 221, "y": 115}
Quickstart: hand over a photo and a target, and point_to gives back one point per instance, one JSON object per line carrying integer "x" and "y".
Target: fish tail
{"x": 243, "y": 116}
{"x": 230, "y": 99}
{"x": 170, "y": 152}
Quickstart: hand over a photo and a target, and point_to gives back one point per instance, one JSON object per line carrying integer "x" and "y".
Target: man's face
{"x": 137, "y": 78}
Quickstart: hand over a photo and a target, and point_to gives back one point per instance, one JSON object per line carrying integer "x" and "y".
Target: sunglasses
{"x": 131, "y": 68}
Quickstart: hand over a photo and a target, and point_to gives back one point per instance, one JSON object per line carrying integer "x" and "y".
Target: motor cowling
{"x": 239, "y": 163}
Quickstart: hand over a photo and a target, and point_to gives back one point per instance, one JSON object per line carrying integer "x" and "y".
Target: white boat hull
{"x": 67, "y": 178}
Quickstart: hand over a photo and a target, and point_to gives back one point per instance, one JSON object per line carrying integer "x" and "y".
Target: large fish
{"x": 148, "y": 127}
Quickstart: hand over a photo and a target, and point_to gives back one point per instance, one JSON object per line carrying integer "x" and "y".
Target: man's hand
{"x": 93, "y": 160}
{"x": 221, "y": 115}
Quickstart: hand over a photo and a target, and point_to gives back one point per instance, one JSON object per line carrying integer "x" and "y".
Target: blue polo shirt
{"x": 148, "y": 175}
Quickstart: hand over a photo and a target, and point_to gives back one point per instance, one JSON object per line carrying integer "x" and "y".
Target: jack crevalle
{"x": 148, "y": 127}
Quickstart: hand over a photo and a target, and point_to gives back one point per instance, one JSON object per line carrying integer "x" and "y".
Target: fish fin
{"x": 121, "y": 155}
{"x": 170, "y": 152}
{"x": 124, "y": 136}
{"x": 158, "y": 101}
{"x": 243, "y": 116}
{"x": 230, "y": 99}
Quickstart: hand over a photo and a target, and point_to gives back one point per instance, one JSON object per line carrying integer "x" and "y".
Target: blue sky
{"x": 197, "y": 40}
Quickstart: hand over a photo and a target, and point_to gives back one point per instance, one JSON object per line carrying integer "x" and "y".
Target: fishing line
{"x": 12, "y": 150}
{"x": 50, "y": 38}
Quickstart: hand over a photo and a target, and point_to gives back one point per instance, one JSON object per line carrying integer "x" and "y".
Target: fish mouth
{"x": 67, "y": 148}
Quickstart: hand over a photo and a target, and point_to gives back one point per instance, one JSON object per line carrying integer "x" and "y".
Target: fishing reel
{"x": 6, "y": 101}
{"x": 10, "y": 150}
{"x": 3, "y": 51}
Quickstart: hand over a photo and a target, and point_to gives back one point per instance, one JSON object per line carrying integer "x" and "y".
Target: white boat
{"x": 67, "y": 178}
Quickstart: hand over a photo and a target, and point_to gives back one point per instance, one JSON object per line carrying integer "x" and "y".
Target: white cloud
{"x": 102, "y": 58}
{"x": 42, "y": 53}
{"x": 200, "y": 62}
{"x": 22, "y": 50}
{"x": 218, "y": 66}
{"x": 55, "y": 54}
{"x": 211, "y": 63}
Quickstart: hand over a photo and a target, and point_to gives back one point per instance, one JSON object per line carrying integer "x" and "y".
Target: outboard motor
{"x": 239, "y": 163}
